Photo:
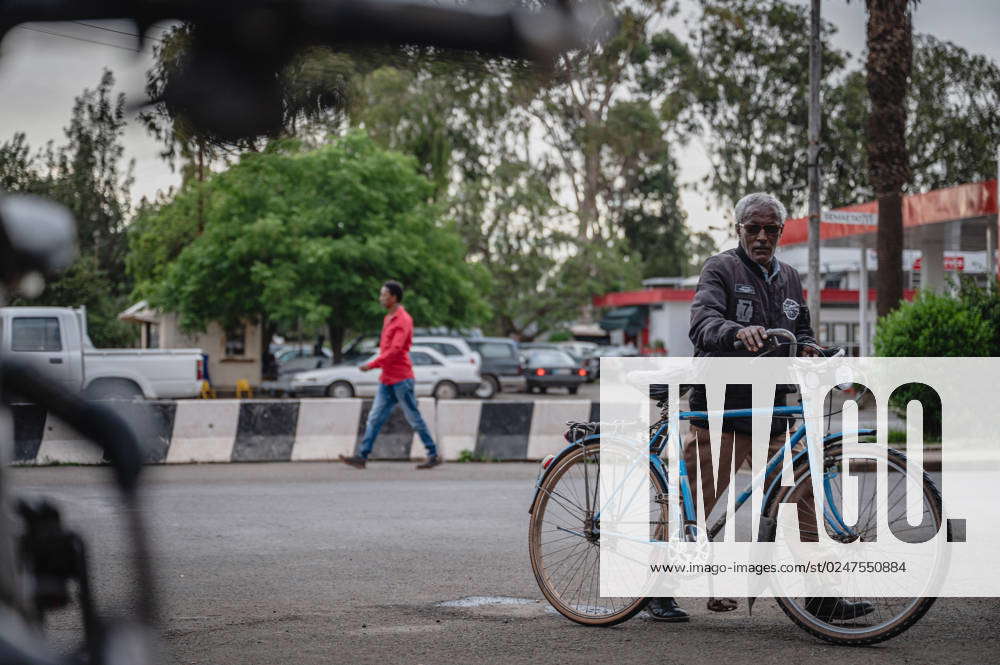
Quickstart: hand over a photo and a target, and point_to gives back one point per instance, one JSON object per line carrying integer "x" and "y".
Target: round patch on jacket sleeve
{"x": 791, "y": 308}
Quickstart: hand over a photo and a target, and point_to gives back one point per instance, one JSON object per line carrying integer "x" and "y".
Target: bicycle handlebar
{"x": 793, "y": 342}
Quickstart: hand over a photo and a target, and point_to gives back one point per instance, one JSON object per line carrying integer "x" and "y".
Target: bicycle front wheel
{"x": 887, "y": 615}
{"x": 564, "y": 540}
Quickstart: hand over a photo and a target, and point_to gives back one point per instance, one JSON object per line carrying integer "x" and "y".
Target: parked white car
{"x": 54, "y": 341}
{"x": 433, "y": 376}
{"x": 455, "y": 350}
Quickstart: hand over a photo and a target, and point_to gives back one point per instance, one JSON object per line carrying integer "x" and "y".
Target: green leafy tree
{"x": 608, "y": 115}
{"x": 317, "y": 89}
{"x": 543, "y": 174}
{"x": 17, "y": 166}
{"x": 494, "y": 139}
{"x": 954, "y": 103}
{"x": 752, "y": 93}
{"x": 753, "y": 97}
{"x": 310, "y": 236}
{"x": 655, "y": 226}
{"x": 88, "y": 174}
{"x": 954, "y": 100}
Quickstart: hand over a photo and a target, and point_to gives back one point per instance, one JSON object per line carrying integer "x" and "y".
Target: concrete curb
{"x": 226, "y": 430}
{"x": 206, "y": 431}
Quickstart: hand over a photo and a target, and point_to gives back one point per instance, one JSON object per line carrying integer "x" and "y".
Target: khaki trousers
{"x": 736, "y": 448}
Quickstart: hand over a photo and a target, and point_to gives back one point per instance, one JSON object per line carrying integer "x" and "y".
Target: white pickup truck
{"x": 54, "y": 340}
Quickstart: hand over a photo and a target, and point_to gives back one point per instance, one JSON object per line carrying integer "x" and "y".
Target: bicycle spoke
{"x": 565, "y": 541}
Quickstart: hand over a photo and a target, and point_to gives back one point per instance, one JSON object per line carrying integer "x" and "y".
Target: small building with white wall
{"x": 233, "y": 355}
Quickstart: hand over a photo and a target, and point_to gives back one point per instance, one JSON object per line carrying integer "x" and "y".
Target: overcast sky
{"x": 40, "y": 74}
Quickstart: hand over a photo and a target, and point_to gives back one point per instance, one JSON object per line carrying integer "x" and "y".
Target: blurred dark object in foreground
{"x": 229, "y": 82}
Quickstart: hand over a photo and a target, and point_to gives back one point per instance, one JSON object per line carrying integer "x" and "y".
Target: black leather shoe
{"x": 666, "y": 609}
{"x": 356, "y": 461}
{"x": 837, "y": 609}
{"x": 431, "y": 462}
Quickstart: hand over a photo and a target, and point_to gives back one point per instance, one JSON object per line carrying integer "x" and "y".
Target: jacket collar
{"x": 758, "y": 268}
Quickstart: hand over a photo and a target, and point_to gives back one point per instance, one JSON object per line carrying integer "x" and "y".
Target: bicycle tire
{"x": 545, "y": 562}
{"x": 885, "y": 629}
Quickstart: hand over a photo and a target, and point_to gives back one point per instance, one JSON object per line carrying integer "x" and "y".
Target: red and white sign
{"x": 950, "y": 263}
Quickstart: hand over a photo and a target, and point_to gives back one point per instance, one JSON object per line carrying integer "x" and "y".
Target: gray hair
{"x": 753, "y": 202}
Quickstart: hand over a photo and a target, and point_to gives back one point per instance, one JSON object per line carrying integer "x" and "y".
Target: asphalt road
{"x": 319, "y": 563}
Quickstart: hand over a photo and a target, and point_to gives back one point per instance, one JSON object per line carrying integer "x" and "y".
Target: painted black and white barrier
{"x": 305, "y": 430}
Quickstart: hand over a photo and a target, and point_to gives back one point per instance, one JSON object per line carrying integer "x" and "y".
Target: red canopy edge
{"x": 940, "y": 205}
{"x": 656, "y": 296}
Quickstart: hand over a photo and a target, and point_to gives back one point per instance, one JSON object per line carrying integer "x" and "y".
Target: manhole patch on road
{"x": 486, "y": 601}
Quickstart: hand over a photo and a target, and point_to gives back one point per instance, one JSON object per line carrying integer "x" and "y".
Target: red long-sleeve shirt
{"x": 394, "y": 347}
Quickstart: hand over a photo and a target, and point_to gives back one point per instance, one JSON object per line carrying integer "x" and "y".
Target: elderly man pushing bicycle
{"x": 741, "y": 293}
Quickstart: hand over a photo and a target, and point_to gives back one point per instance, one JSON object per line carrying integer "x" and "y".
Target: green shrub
{"x": 985, "y": 302}
{"x": 897, "y": 436}
{"x": 932, "y": 326}
{"x": 561, "y": 336}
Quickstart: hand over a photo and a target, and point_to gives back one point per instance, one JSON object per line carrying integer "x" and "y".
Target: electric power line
{"x": 118, "y": 32}
{"x": 79, "y": 39}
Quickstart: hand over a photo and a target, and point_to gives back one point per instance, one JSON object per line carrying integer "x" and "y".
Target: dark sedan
{"x": 548, "y": 368}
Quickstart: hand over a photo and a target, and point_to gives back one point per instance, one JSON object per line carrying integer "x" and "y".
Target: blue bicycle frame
{"x": 659, "y": 440}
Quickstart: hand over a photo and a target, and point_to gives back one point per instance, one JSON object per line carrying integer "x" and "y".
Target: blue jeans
{"x": 385, "y": 400}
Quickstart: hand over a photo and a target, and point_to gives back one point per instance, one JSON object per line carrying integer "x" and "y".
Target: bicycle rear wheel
{"x": 890, "y": 615}
{"x": 564, "y": 540}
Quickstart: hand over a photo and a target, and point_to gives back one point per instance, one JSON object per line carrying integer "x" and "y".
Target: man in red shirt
{"x": 396, "y": 382}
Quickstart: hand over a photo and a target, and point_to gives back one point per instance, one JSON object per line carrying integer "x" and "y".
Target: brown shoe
{"x": 354, "y": 460}
{"x": 432, "y": 461}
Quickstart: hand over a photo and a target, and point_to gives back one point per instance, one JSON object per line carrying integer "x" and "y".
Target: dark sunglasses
{"x": 771, "y": 230}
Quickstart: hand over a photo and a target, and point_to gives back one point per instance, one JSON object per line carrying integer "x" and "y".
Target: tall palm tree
{"x": 890, "y": 52}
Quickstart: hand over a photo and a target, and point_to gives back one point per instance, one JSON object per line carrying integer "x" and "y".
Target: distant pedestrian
{"x": 396, "y": 382}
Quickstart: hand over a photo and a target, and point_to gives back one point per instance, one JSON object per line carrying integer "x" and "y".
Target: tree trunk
{"x": 889, "y": 245}
{"x": 268, "y": 369}
{"x": 200, "y": 185}
{"x": 336, "y": 333}
{"x": 890, "y": 53}
{"x": 588, "y": 209}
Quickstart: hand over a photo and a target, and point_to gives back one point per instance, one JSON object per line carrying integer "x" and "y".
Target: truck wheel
{"x": 102, "y": 389}
{"x": 446, "y": 390}
{"x": 573, "y": 390}
{"x": 340, "y": 390}
{"x": 488, "y": 387}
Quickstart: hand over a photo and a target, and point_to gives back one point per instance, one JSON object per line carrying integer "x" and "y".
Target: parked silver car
{"x": 433, "y": 376}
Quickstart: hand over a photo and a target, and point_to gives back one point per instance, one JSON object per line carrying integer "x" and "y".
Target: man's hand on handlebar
{"x": 752, "y": 337}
